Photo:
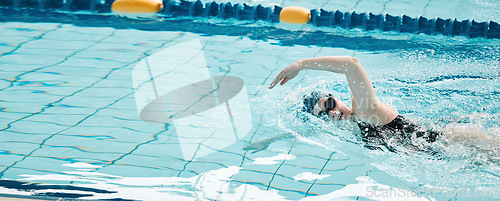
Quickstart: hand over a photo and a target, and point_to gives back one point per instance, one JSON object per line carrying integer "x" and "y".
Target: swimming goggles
{"x": 329, "y": 105}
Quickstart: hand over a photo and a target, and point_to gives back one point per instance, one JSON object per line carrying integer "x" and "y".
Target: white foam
{"x": 309, "y": 176}
{"x": 81, "y": 165}
{"x": 214, "y": 184}
{"x": 273, "y": 160}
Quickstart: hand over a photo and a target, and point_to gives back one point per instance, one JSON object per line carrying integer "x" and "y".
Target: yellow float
{"x": 295, "y": 15}
{"x": 137, "y": 6}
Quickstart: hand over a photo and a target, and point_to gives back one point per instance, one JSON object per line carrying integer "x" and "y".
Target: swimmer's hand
{"x": 287, "y": 74}
{"x": 258, "y": 146}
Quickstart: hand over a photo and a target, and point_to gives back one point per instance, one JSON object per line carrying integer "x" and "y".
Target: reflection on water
{"x": 211, "y": 185}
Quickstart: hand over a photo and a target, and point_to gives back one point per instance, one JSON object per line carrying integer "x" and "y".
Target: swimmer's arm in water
{"x": 263, "y": 144}
{"x": 364, "y": 101}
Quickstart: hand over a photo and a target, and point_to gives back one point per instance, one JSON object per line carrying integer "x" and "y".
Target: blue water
{"x": 72, "y": 110}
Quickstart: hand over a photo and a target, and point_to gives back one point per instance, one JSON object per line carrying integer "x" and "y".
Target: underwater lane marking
{"x": 49, "y": 105}
{"x": 205, "y": 109}
{"x": 61, "y": 99}
{"x": 251, "y": 139}
{"x": 235, "y": 131}
{"x": 353, "y": 7}
{"x": 72, "y": 126}
{"x": 60, "y": 62}
{"x": 424, "y": 10}
{"x": 277, "y": 188}
{"x": 112, "y": 162}
{"x": 79, "y": 122}
{"x": 194, "y": 155}
{"x": 244, "y": 153}
{"x": 151, "y": 76}
{"x": 34, "y": 39}
{"x": 46, "y": 139}
{"x": 276, "y": 171}
{"x": 385, "y": 5}
{"x": 324, "y": 165}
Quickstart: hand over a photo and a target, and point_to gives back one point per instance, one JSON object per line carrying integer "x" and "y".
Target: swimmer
{"x": 379, "y": 123}
{"x": 365, "y": 105}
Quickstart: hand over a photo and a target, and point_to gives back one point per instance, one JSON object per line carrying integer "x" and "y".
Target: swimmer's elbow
{"x": 354, "y": 61}
{"x": 353, "y": 64}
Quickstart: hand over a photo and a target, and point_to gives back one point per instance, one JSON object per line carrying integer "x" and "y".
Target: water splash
{"x": 458, "y": 162}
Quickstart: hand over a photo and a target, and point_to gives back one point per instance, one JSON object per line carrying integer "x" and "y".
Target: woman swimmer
{"x": 379, "y": 123}
{"x": 365, "y": 104}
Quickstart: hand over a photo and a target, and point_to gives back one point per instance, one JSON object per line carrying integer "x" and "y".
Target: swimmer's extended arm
{"x": 263, "y": 144}
{"x": 364, "y": 101}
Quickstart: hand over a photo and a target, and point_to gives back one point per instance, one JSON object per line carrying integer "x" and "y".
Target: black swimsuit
{"x": 398, "y": 131}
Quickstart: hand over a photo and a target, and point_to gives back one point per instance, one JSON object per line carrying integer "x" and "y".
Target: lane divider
{"x": 318, "y": 17}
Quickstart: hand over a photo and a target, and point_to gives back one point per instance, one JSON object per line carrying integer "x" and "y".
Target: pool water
{"x": 92, "y": 112}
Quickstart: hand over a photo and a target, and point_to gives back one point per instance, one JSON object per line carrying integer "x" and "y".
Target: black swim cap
{"x": 310, "y": 100}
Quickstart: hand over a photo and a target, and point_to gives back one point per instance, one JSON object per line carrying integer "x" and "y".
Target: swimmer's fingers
{"x": 284, "y": 81}
{"x": 286, "y": 74}
{"x": 277, "y": 79}
{"x": 285, "y": 78}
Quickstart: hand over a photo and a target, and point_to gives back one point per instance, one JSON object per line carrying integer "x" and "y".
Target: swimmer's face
{"x": 339, "y": 112}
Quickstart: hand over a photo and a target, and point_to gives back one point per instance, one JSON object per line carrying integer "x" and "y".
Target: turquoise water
{"x": 74, "y": 105}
